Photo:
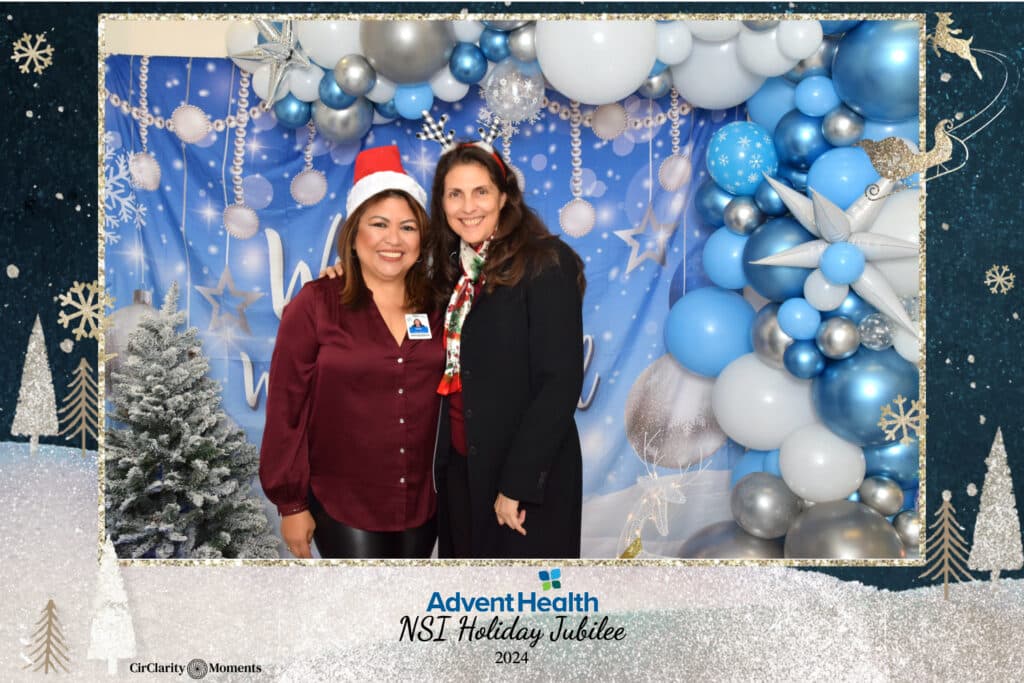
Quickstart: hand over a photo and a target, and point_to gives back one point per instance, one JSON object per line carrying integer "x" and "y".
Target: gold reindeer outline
{"x": 944, "y": 37}
{"x": 894, "y": 159}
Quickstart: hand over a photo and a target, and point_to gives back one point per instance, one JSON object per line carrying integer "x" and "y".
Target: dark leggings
{"x": 335, "y": 540}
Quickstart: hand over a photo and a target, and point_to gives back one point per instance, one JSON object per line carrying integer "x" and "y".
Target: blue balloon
{"x": 875, "y": 70}
{"x": 842, "y": 263}
{"x": 831, "y": 28}
{"x": 468, "y": 63}
{"x": 332, "y": 95}
{"x": 777, "y": 283}
{"x": 816, "y": 96}
{"x": 896, "y": 460}
{"x": 658, "y": 67}
{"x": 803, "y": 359}
{"x": 291, "y": 112}
{"x": 771, "y": 102}
{"x": 386, "y": 109}
{"x": 738, "y": 153}
{"x": 848, "y": 396}
{"x": 412, "y": 100}
{"x": 794, "y": 177}
{"x": 879, "y": 130}
{"x": 768, "y": 200}
{"x": 749, "y": 462}
{"x": 494, "y": 44}
{"x": 853, "y": 307}
{"x": 799, "y": 319}
{"x": 799, "y": 140}
{"x": 709, "y": 328}
{"x": 710, "y": 201}
{"x": 771, "y": 463}
{"x": 723, "y": 259}
{"x": 909, "y": 499}
{"x": 842, "y": 174}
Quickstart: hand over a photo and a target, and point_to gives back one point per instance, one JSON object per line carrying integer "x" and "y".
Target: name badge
{"x": 418, "y": 326}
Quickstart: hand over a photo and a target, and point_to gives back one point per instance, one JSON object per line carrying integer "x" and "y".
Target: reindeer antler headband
{"x": 435, "y": 132}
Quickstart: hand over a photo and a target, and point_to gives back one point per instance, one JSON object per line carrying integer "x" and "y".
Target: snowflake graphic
{"x": 999, "y": 279}
{"x": 909, "y": 421}
{"x": 121, "y": 206}
{"x": 37, "y": 54}
{"x": 744, "y": 141}
{"x": 722, "y": 135}
{"x": 756, "y": 160}
{"x": 752, "y": 178}
{"x": 723, "y": 160}
{"x": 88, "y": 302}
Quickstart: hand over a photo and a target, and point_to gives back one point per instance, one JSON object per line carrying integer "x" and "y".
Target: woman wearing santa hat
{"x": 352, "y": 407}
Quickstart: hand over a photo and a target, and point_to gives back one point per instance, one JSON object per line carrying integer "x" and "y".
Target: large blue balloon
{"x": 803, "y": 359}
{"x": 794, "y": 177}
{"x": 799, "y": 141}
{"x": 816, "y": 96}
{"x": 831, "y": 28}
{"x": 896, "y": 460}
{"x": 708, "y": 329}
{"x": 848, "y": 396}
{"x": 771, "y": 102}
{"x": 332, "y": 95}
{"x": 842, "y": 174}
{"x": 777, "y": 283}
{"x": 853, "y": 307}
{"x": 723, "y": 259}
{"x": 291, "y": 112}
{"x": 710, "y": 201}
{"x": 468, "y": 63}
{"x": 875, "y": 70}
{"x": 738, "y": 154}
{"x": 412, "y": 100}
{"x": 879, "y": 130}
{"x": 494, "y": 44}
{"x": 768, "y": 200}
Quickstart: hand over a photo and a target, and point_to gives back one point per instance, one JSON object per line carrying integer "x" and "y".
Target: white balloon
{"x": 261, "y": 84}
{"x": 899, "y": 218}
{"x": 714, "y": 31}
{"x": 822, "y": 294}
{"x": 382, "y": 91}
{"x": 325, "y": 42}
{"x": 758, "y": 405}
{"x": 713, "y": 78}
{"x": 242, "y": 36}
{"x": 819, "y": 466}
{"x": 906, "y": 344}
{"x": 674, "y": 42}
{"x": 446, "y": 87}
{"x": 569, "y": 51}
{"x": 305, "y": 83}
{"x": 758, "y": 52}
{"x": 467, "y": 31}
{"x": 799, "y": 39}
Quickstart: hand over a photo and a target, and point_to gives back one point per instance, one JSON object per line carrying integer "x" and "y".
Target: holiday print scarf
{"x": 472, "y": 260}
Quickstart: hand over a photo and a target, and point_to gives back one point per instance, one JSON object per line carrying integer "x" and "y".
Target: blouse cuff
{"x": 294, "y": 508}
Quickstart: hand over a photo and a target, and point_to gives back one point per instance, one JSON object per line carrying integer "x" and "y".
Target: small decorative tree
{"x": 946, "y": 549}
{"x": 51, "y": 650}
{"x": 36, "y": 414}
{"x": 112, "y": 636}
{"x": 997, "y": 543}
{"x": 80, "y": 410}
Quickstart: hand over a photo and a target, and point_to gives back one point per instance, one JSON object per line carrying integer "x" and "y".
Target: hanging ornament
{"x": 281, "y": 51}
{"x": 144, "y": 169}
{"x": 310, "y": 185}
{"x": 120, "y": 325}
{"x": 676, "y": 169}
{"x": 577, "y": 218}
{"x": 609, "y": 121}
{"x": 240, "y": 221}
{"x": 190, "y": 123}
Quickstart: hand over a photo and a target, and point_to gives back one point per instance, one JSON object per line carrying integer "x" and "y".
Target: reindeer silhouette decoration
{"x": 894, "y": 159}
{"x": 943, "y": 37}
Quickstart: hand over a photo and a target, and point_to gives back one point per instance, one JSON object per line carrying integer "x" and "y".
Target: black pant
{"x": 460, "y": 510}
{"x": 335, "y": 540}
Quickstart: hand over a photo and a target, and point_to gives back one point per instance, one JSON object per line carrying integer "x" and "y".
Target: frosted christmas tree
{"x": 997, "y": 543}
{"x": 112, "y": 636}
{"x": 36, "y": 414}
{"x": 179, "y": 472}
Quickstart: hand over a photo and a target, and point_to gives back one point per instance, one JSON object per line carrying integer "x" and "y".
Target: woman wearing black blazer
{"x": 508, "y": 466}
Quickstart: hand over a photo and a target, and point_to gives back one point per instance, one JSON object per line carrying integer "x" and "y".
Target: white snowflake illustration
{"x": 32, "y": 55}
{"x": 744, "y": 141}
{"x": 722, "y": 135}
{"x": 723, "y": 159}
{"x": 756, "y": 160}
{"x": 999, "y": 279}
{"x": 121, "y": 205}
{"x": 758, "y": 145}
{"x": 752, "y": 178}
{"x": 88, "y": 302}
{"x": 908, "y": 421}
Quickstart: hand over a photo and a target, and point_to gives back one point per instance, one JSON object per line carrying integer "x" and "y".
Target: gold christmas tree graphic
{"x": 79, "y": 413}
{"x": 51, "y": 651}
{"x": 946, "y": 548}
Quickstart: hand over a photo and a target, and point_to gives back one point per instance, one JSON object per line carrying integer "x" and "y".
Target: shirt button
{"x": 401, "y": 420}
{"x": 402, "y": 480}
{"x": 401, "y": 360}
{"x": 467, "y": 413}
{"x": 401, "y": 450}
{"x": 401, "y": 391}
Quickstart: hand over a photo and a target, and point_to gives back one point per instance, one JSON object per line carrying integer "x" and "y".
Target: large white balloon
{"x": 674, "y": 42}
{"x": 325, "y": 42}
{"x": 906, "y": 344}
{"x": 822, "y": 294}
{"x": 799, "y": 39}
{"x": 819, "y": 466}
{"x": 446, "y": 87}
{"x": 713, "y": 78}
{"x": 899, "y": 218}
{"x": 261, "y": 84}
{"x": 305, "y": 83}
{"x": 758, "y": 52}
{"x": 382, "y": 91}
{"x": 596, "y": 62}
{"x": 758, "y": 405}
{"x": 467, "y": 31}
{"x": 242, "y": 36}
{"x": 714, "y": 31}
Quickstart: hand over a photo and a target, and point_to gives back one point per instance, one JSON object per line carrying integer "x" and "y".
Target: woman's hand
{"x": 332, "y": 271}
{"x": 509, "y": 514}
{"x": 297, "y": 532}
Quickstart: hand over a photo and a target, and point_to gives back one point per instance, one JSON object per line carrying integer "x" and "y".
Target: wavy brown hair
{"x": 522, "y": 245}
{"x": 420, "y": 289}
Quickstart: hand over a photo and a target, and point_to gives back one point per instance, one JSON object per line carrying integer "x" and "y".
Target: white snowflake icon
{"x": 744, "y": 141}
{"x": 752, "y": 178}
{"x": 723, "y": 159}
{"x": 999, "y": 279}
{"x": 756, "y": 161}
{"x": 32, "y": 54}
{"x": 120, "y": 203}
{"x": 88, "y": 302}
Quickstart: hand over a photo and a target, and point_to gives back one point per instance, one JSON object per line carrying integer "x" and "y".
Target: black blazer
{"x": 522, "y": 372}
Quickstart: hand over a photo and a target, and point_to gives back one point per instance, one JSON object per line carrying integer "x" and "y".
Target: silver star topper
{"x": 281, "y": 51}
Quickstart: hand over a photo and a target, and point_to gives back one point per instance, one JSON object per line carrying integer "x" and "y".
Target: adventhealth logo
{"x": 550, "y": 578}
{"x": 521, "y": 601}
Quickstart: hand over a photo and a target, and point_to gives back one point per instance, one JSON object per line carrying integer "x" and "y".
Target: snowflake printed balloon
{"x": 739, "y": 154}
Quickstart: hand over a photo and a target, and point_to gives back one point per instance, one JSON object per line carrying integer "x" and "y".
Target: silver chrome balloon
{"x": 761, "y": 25}
{"x": 522, "y": 43}
{"x": 908, "y": 526}
{"x": 355, "y": 75}
{"x": 656, "y": 86}
{"x": 881, "y": 494}
{"x": 407, "y": 51}
{"x": 843, "y": 530}
{"x": 842, "y": 126}
{"x": 770, "y": 342}
{"x": 344, "y": 125}
{"x": 838, "y": 338}
{"x": 726, "y": 540}
{"x": 763, "y": 505}
{"x": 818, "y": 64}
{"x": 505, "y": 25}
{"x": 742, "y": 215}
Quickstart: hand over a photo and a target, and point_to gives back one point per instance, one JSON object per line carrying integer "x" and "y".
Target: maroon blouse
{"x": 351, "y": 414}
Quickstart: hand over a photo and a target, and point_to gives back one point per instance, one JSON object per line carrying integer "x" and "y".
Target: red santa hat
{"x": 379, "y": 169}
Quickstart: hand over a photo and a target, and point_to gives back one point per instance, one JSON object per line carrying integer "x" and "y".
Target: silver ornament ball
{"x": 145, "y": 171}
{"x": 344, "y": 125}
{"x": 842, "y": 126}
{"x": 577, "y": 217}
{"x": 407, "y": 51}
{"x": 674, "y": 172}
{"x": 609, "y": 121}
{"x": 522, "y": 43}
{"x": 908, "y": 526}
{"x": 726, "y": 540}
{"x": 355, "y": 75}
{"x": 770, "y": 342}
{"x": 843, "y": 530}
{"x": 881, "y": 494}
{"x": 761, "y": 24}
{"x": 763, "y": 505}
{"x": 837, "y": 338}
{"x": 742, "y": 215}
{"x": 656, "y": 86}
{"x": 309, "y": 187}
{"x": 240, "y": 221}
{"x": 818, "y": 64}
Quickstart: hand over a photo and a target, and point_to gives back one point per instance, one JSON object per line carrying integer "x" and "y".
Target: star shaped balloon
{"x": 280, "y": 51}
{"x": 228, "y": 307}
{"x": 661, "y": 234}
{"x": 832, "y": 225}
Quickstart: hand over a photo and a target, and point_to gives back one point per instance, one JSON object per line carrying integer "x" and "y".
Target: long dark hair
{"x": 522, "y": 245}
{"x": 420, "y": 289}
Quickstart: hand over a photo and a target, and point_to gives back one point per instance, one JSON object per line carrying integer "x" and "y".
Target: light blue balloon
{"x": 848, "y": 396}
{"x": 710, "y": 201}
{"x": 749, "y": 462}
{"x": 771, "y": 462}
{"x": 494, "y": 44}
{"x": 794, "y": 177}
{"x": 842, "y": 174}
{"x": 831, "y": 28}
{"x": 738, "y": 153}
{"x": 799, "y": 319}
{"x": 658, "y": 67}
{"x": 853, "y": 307}
{"x": 332, "y": 95}
{"x": 412, "y": 100}
{"x": 875, "y": 70}
{"x": 842, "y": 263}
{"x": 709, "y": 328}
{"x": 771, "y": 102}
{"x": 799, "y": 140}
{"x": 468, "y": 63}
{"x": 291, "y": 112}
{"x": 816, "y": 96}
{"x": 879, "y": 130}
{"x": 768, "y": 200}
{"x": 777, "y": 283}
{"x": 896, "y": 460}
{"x": 723, "y": 259}
{"x": 803, "y": 359}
